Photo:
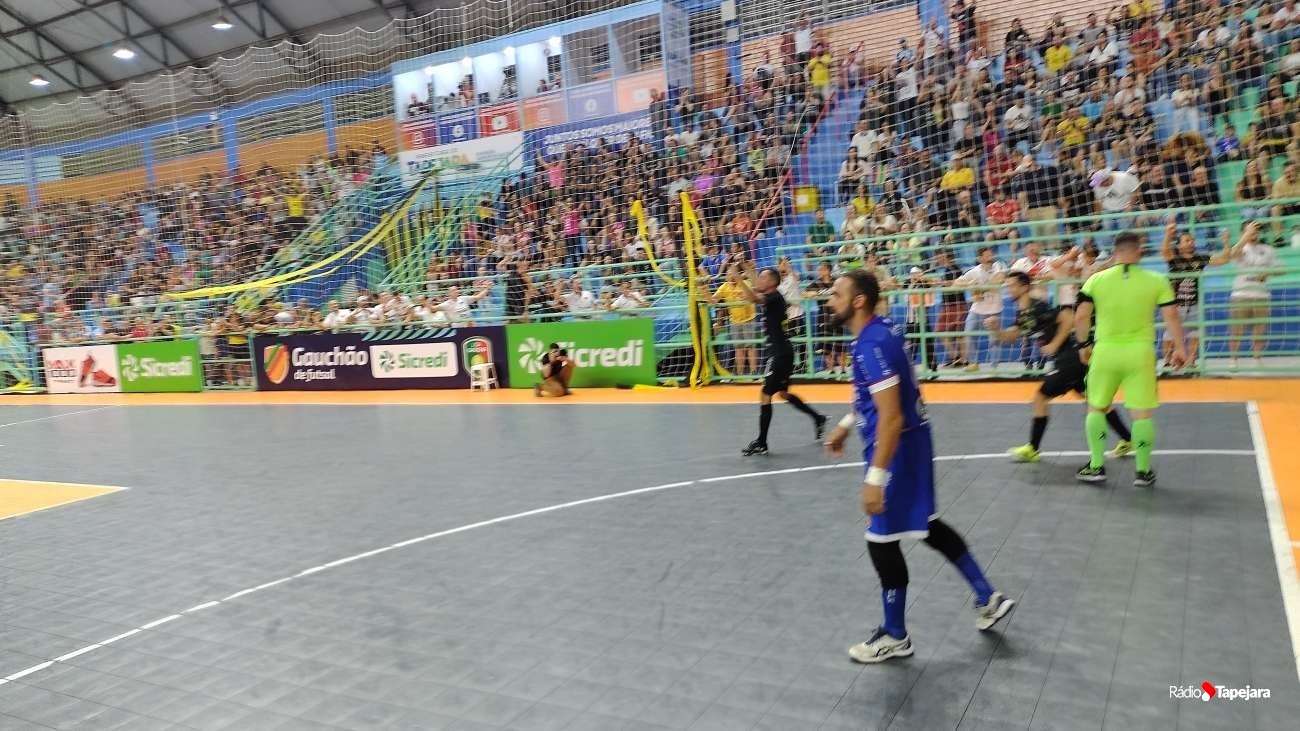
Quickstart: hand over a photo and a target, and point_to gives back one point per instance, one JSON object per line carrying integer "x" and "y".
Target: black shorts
{"x": 1068, "y": 374}
{"x": 780, "y": 367}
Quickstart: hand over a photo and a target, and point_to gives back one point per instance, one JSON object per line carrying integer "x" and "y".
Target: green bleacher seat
{"x": 1249, "y": 98}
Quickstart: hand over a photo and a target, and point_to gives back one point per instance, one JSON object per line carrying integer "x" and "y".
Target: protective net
{"x": 595, "y": 160}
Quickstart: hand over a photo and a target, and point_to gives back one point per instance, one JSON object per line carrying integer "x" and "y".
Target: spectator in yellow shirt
{"x": 1074, "y": 128}
{"x": 819, "y": 71}
{"x": 1138, "y": 9}
{"x": 743, "y": 330}
{"x": 959, "y": 177}
{"x": 1058, "y": 56}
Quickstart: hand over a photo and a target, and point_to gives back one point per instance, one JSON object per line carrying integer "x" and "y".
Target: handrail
{"x": 1161, "y": 214}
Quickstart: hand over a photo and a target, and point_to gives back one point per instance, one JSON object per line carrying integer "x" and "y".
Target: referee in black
{"x": 780, "y": 355}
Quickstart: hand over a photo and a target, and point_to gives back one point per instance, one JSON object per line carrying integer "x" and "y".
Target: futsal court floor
{"x": 458, "y": 561}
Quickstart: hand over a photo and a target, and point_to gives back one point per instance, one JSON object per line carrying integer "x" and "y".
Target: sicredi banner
{"x": 604, "y": 353}
{"x": 160, "y": 366}
{"x": 82, "y": 369}
{"x": 380, "y": 359}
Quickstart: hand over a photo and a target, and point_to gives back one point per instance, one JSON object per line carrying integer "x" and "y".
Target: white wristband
{"x": 849, "y": 420}
{"x": 877, "y": 476}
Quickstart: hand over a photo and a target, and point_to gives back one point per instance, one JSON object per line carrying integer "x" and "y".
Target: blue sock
{"x": 971, "y": 570}
{"x": 895, "y": 600}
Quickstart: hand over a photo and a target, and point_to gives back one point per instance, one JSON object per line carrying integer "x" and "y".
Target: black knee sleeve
{"x": 945, "y": 540}
{"x": 889, "y": 563}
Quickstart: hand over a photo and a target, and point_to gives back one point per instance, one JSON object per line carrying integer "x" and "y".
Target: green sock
{"x": 1144, "y": 439}
{"x": 1095, "y": 427}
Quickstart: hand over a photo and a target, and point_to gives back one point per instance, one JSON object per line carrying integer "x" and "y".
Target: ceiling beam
{"x": 41, "y": 35}
{"x": 77, "y": 65}
{"x": 233, "y": 12}
{"x": 190, "y": 56}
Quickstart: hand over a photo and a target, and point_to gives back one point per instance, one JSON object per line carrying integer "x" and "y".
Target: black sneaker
{"x": 755, "y": 447}
{"x": 1144, "y": 479}
{"x": 1088, "y": 473}
{"x": 821, "y": 426}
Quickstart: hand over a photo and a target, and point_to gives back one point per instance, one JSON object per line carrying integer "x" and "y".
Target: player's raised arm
{"x": 1167, "y": 244}
{"x": 746, "y": 289}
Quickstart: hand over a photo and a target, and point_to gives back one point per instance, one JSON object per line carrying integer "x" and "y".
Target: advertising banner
{"x": 544, "y": 111}
{"x": 499, "y": 120}
{"x": 634, "y": 92}
{"x": 604, "y": 353}
{"x": 462, "y": 160}
{"x": 616, "y": 129}
{"x": 420, "y": 134}
{"x": 456, "y": 127}
{"x": 591, "y": 101}
{"x": 160, "y": 366}
{"x": 82, "y": 369}
{"x": 384, "y": 359}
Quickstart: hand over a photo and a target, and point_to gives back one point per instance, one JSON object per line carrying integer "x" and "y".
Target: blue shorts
{"x": 909, "y": 496}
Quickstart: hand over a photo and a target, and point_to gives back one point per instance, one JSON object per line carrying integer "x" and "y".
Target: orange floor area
{"x": 1278, "y": 401}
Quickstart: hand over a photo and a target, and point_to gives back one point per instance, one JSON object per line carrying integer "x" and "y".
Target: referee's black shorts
{"x": 780, "y": 366}
{"x": 1068, "y": 374}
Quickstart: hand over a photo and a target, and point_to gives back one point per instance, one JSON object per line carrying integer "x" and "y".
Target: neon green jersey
{"x": 1125, "y": 299}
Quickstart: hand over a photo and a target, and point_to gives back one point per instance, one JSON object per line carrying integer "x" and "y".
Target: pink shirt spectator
{"x": 572, "y": 223}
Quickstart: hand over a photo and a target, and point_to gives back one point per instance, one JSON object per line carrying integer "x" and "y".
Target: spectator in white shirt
{"x": 789, "y": 288}
{"x": 1129, "y": 90}
{"x": 1115, "y": 191}
{"x": 1018, "y": 120}
{"x": 803, "y": 40}
{"x": 579, "y": 300}
{"x": 863, "y": 138}
{"x": 1289, "y": 66}
{"x": 1187, "y": 113}
{"x": 337, "y": 317}
{"x": 629, "y": 298}
{"x": 1074, "y": 267}
{"x": 457, "y": 307}
{"x": 985, "y": 282}
{"x": 1250, "y": 298}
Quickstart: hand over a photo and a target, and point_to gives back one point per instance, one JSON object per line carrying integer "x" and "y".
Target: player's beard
{"x": 841, "y": 319}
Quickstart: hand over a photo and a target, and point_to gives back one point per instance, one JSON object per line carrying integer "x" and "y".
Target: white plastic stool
{"x": 483, "y": 376}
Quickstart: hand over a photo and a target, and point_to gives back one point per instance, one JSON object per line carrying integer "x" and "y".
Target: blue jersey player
{"x": 898, "y": 493}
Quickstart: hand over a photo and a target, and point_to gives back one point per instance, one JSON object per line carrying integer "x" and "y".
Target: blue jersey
{"x": 880, "y": 361}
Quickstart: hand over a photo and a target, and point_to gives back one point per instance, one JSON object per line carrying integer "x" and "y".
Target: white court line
{"x": 552, "y": 509}
{"x": 58, "y": 416}
{"x": 1282, "y": 543}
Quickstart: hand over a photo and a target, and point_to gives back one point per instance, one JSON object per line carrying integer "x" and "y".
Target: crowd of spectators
{"x": 70, "y": 256}
{"x": 961, "y": 164}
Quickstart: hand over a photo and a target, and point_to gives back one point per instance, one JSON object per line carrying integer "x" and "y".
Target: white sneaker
{"x": 881, "y": 647}
{"x": 987, "y": 615}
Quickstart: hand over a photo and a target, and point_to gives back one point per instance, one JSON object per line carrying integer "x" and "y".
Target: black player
{"x": 1183, "y": 261}
{"x": 780, "y": 356}
{"x": 1052, "y": 329}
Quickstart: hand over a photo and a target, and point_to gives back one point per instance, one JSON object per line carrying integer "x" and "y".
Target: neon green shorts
{"x": 1131, "y": 366}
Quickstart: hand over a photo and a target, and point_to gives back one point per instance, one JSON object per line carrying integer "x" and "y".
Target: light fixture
{"x": 221, "y": 23}
{"x": 124, "y": 54}
{"x": 39, "y": 80}
{"x": 428, "y": 71}
{"x": 509, "y": 55}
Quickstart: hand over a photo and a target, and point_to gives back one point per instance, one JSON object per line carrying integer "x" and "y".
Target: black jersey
{"x": 774, "y": 309}
{"x": 1187, "y": 290}
{"x": 1038, "y": 321}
